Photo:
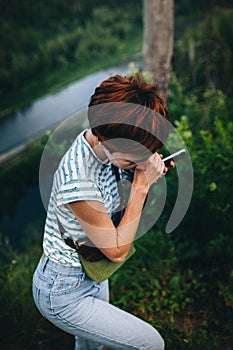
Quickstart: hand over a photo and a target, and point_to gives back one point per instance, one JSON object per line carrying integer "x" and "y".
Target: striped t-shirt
{"x": 81, "y": 175}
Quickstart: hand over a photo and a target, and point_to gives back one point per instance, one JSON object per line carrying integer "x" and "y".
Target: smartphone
{"x": 173, "y": 157}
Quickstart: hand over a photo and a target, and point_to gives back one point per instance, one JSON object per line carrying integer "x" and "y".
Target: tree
{"x": 158, "y": 41}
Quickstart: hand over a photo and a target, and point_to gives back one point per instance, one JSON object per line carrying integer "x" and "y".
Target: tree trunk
{"x": 158, "y": 41}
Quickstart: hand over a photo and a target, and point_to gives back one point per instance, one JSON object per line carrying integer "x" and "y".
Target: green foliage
{"x": 202, "y": 58}
{"x": 182, "y": 283}
{"x": 152, "y": 287}
{"x": 134, "y": 70}
{"x": 189, "y": 8}
{"x": 64, "y": 37}
{"x": 16, "y": 301}
{"x": 22, "y": 327}
{"x": 210, "y": 130}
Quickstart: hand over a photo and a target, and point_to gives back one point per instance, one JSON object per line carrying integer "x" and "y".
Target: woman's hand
{"x": 115, "y": 243}
{"x": 149, "y": 172}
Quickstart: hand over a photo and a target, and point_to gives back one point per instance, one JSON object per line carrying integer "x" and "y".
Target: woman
{"x": 127, "y": 126}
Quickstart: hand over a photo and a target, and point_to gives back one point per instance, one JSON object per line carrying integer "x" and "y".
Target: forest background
{"x": 186, "y": 291}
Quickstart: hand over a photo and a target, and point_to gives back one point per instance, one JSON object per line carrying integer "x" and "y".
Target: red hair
{"x": 129, "y": 108}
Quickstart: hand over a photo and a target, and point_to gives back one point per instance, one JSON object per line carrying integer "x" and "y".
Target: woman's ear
{"x": 94, "y": 132}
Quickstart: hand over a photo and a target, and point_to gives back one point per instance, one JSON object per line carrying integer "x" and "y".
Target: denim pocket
{"x": 66, "y": 289}
{"x": 66, "y": 284}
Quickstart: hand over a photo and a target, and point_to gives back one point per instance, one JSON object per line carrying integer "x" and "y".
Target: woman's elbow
{"x": 118, "y": 259}
{"x": 116, "y": 255}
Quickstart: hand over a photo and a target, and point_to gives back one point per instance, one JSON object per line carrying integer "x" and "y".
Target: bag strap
{"x": 118, "y": 215}
{"x": 119, "y": 184}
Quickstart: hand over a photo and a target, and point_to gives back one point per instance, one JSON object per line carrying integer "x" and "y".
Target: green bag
{"x": 104, "y": 268}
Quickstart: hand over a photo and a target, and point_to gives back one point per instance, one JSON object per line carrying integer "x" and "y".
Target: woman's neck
{"x": 96, "y": 145}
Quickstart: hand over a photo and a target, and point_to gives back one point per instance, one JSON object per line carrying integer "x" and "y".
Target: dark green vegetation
{"x": 52, "y": 43}
{"x": 185, "y": 290}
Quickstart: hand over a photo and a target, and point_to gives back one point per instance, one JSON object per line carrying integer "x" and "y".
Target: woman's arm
{"x": 115, "y": 243}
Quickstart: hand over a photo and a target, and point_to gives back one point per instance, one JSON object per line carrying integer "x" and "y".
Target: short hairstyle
{"x": 129, "y": 108}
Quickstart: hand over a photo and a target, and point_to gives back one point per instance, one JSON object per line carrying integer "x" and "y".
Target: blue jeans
{"x": 80, "y": 306}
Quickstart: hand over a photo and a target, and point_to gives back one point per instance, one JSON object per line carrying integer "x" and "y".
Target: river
{"x": 50, "y": 110}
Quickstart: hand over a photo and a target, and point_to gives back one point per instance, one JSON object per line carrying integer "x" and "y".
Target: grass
{"x": 149, "y": 295}
{"x": 58, "y": 79}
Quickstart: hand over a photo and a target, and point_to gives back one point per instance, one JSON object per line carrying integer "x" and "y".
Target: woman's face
{"x": 127, "y": 161}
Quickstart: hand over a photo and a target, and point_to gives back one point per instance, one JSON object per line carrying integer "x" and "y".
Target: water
{"x": 51, "y": 109}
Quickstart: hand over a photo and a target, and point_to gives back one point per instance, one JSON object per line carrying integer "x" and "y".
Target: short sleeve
{"x": 82, "y": 189}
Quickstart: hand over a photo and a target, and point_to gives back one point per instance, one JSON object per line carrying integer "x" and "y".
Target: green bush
{"x": 182, "y": 282}
{"x": 211, "y": 152}
{"x": 202, "y": 58}
{"x": 22, "y": 326}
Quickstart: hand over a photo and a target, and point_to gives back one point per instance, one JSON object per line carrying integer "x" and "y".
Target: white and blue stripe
{"x": 81, "y": 175}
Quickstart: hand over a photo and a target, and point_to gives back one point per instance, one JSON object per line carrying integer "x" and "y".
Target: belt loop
{"x": 44, "y": 261}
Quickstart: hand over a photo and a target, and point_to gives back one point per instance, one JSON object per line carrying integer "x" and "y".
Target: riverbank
{"x": 58, "y": 80}
{"x": 17, "y": 150}
{"x": 52, "y": 109}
